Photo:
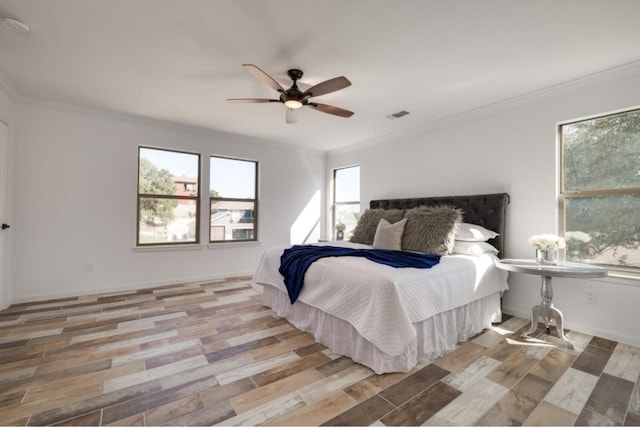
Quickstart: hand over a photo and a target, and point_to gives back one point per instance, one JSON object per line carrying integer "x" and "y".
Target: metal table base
{"x": 546, "y": 312}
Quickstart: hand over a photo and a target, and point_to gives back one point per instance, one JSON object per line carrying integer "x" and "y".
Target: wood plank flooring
{"x": 210, "y": 353}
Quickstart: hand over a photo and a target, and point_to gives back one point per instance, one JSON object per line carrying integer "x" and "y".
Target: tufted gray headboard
{"x": 487, "y": 210}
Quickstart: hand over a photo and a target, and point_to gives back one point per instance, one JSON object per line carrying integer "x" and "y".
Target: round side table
{"x": 546, "y": 311}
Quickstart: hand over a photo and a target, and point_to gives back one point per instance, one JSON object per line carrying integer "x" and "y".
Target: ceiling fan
{"x": 293, "y": 98}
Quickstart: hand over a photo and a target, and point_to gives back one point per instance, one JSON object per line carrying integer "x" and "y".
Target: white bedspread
{"x": 383, "y": 302}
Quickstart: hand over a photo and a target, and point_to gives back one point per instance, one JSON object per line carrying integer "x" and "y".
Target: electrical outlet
{"x": 89, "y": 267}
{"x": 592, "y": 296}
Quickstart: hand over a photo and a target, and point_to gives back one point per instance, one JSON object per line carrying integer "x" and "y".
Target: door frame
{"x": 4, "y": 193}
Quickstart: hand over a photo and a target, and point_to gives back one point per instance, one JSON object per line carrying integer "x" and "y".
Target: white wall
{"x": 6, "y": 116}
{"x": 511, "y": 148}
{"x": 75, "y": 177}
{"x": 74, "y": 195}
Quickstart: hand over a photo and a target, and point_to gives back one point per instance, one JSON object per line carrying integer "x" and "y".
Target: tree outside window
{"x": 600, "y": 190}
{"x": 168, "y": 191}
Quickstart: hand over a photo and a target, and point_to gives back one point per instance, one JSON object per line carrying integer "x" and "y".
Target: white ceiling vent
{"x": 397, "y": 115}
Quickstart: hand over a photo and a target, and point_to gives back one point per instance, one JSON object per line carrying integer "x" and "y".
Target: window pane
{"x": 348, "y": 214}
{"x": 166, "y": 220}
{"x": 604, "y": 230}
{"x": 232, "y": 178}
{"x": 170, "y": 219}
{"x": 347, "y": 184}
{"x": 168, "y": 172}
{"x": 602, "y": 153}
{"x": 232, "y": 220}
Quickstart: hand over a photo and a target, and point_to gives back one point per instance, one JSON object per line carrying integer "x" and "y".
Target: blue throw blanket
{"x": 295, "y": 261}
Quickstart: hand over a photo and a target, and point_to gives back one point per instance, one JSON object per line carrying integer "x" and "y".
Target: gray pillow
{"x": 431, "y": 229}
{"x": 389, "y": 236}
{"x": 365, "y": 230}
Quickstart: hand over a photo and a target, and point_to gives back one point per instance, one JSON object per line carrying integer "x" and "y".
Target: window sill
{"x": 165, "y": 248}
{"x": 618, "y": 278}
{"x": 195, "y": 246}
{"x": 621, "y": 278}
{"x": 231, "y": 244}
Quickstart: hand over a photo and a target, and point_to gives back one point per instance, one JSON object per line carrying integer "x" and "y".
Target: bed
{"x": 390, "y": 319}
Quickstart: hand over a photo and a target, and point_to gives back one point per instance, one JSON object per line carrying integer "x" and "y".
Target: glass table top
{"x": 562, "y": 268}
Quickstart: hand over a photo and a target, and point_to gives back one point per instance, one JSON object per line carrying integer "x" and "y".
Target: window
{"x": 600, "y": 190}
{"x": 168, "y": 206}
{"x": 346, "y": 198}
{"x": 234, "y": 205}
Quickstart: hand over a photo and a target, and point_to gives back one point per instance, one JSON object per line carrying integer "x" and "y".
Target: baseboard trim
{"x": 130, "y": 287}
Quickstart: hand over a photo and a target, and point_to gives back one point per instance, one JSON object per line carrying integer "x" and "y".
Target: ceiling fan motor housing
{"x": 293, "y": 93}
{"x": 295, "y": 74}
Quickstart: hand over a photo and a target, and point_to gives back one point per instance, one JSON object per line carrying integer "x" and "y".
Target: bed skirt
{"x": 434, "y": 336}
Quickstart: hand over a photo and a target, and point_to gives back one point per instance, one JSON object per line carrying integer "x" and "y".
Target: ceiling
{"x": 179, "y": 60}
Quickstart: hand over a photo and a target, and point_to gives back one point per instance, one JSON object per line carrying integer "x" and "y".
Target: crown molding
{"x": 132, "y": 118}
{"x": 494, "y": 107}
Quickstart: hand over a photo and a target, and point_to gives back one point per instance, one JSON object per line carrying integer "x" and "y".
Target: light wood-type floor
{"x": 210, "y": 353}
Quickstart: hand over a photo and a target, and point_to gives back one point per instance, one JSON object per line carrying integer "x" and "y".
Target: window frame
{"x": 233, "y": 199}
{"x": 140, "y": 196}
{"x": 565, "y": 194}
{"x": 335, "y": 204}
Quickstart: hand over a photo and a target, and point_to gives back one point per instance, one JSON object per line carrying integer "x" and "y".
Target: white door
{"x": 4, "y": 143}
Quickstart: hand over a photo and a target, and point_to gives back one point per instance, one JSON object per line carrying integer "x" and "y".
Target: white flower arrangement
{"x": 340, "y": 227}
{"x": 547, "y": 242}
{"x": 578, "y": 236}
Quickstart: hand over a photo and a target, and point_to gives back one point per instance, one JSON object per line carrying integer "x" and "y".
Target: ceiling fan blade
{"x": 330, "y": 109}
{"x": 266, "y": 78}
{"x": 291, "y": 116}
{"x": 252, "y": 100}
{"x": 328, "y": 86}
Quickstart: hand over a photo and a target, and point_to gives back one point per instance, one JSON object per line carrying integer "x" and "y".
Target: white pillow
{"x": 389, "y": 236}
{"x": 473, "y": 248}
{"x": 474, "y": 233}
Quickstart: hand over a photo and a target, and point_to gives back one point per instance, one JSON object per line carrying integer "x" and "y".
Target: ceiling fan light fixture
{"x": 294, "y": 104}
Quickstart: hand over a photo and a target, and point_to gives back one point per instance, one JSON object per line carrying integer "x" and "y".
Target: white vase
{"x": 547, "y": 256}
